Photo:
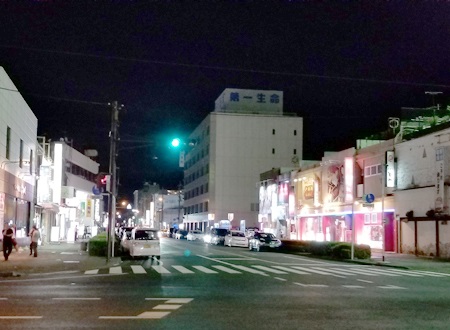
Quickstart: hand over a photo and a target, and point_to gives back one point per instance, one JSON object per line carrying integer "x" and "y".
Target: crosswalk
{"x": 264, "y": 270}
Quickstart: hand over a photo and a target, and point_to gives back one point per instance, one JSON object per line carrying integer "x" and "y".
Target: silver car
{"x": 261, "y": 241}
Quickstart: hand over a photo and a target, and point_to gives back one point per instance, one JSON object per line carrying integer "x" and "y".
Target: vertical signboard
{"x": 439, "y": 201}
{"x": 348, "y": 179}
{"x": 390, "y": 169}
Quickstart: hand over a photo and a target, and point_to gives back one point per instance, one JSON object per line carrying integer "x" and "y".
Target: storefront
{"x": 15, "y": 205}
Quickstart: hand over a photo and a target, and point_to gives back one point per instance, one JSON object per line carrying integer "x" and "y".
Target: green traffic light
{"x": 175, "y": 142}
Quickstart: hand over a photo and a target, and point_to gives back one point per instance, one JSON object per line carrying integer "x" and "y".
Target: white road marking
{"x": 138, "y": 269}
{"x": 317, "y": 271}
{"x": 91, "y": 272}
{"x": 400, "y": 272}
{"x": 165, "y": 306}
{"x": 226, "y": 269}
{"x": 71, "y": 261}
{"x": 365, "y": 281}
{"x": 161, "y": 269}
{"x": 280, "y": 278}
{"x": 20, "y": 317}
{"x": 270, "y": 270}
{"x": 205, "y": 270}
{"x": 145, "y": 315}
{"x": 183, "y": 270}
{"x": 353, "y": 286}
{"x": 115, "y": 270}
{"x": 340, "y": 272}
{"x": 291, "y": 270}
{"x": 392, "y": 287}
{"x": 75, "y": 298}
{"x": 250, "y": 270}
{"x": 312, "y": 285}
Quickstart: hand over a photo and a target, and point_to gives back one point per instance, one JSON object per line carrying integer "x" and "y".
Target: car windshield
{"x": 267, "y": 236}
{"x": 146, "y": 235}
{"x": 221, "y": 232}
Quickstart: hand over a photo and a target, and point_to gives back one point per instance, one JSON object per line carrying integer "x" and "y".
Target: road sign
{"x": 96, "y": 190}
{"x": 369, "y": 198}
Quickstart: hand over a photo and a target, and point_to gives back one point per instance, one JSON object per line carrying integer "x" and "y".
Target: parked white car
{"x": 195, "y": 235}
{"x": 236, "y": 238}
{"x": 145, "y": 242}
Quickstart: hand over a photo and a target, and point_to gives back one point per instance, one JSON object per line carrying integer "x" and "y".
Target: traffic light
{"x": 104, "y": 182}
{"x": 176, "y": 142}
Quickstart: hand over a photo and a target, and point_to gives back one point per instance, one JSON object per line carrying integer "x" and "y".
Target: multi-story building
{"x": 18, "y": 131}
{"x": 390, "y": 194}
{"x": 245, "y": 135}
{"x": 66, "y": 194}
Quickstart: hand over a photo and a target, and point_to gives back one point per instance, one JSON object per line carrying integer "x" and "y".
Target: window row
{"x": 197, "y": 174}
{"x": 81, "y": 172}
{"x": 197, "y": 191}
{"x": 373, "y": 170}
{"x": 197, "y": 208}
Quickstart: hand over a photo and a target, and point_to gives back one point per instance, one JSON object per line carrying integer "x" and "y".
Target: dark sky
{"x": 344, "y": 66}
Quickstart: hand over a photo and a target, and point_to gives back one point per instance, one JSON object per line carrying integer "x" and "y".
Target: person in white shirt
{"x": 35, "y": 235}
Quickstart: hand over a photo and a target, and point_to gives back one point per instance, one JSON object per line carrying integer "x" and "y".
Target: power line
{"x": 55, "y": 97}
{"x": 221, "y": 68}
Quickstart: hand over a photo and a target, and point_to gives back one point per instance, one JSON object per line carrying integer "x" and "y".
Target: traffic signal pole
{"x": 113, "y": 134}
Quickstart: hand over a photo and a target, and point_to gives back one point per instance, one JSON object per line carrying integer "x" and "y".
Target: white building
{"x": 245, "y": 135}
{"x": 18, "y": 131}
{"x": 65, "y": 192}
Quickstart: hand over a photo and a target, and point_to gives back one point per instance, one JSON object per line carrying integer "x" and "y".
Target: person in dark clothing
{"x": 7, "y": 242}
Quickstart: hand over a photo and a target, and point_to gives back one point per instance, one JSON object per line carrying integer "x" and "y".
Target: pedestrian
{"x": 7, "y": 242}
{"x": 76, "y": 233}
{"x": 35, "y": 235}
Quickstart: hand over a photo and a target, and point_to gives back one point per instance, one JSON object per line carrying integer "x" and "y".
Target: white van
{"x": 145, "y": 242}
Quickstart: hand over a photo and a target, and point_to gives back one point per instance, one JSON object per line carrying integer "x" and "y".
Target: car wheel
{"x": 250, "y": 248}
{"x": 258, "y": 248}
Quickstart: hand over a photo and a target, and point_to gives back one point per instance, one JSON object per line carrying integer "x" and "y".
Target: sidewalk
{"x": 59, "y": 257}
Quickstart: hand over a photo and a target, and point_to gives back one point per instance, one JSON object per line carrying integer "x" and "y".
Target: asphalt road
{"x": 197, "y": 286}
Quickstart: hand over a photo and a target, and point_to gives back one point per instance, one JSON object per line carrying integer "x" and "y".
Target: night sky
{"x": 344, "y": 66}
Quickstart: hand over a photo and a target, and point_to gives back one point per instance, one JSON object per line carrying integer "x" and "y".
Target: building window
{"x": 373, "y": 170}
{"x": 21, "y": 154}
{"x": 273, "y": 132}
{"x": 8, "y": 142}
{"x": 206, "y": 206}
{"x": 295, "y": 151}
{"x": 31, "y": 162}
{"x": 295, "y": 132}
{"x": 273, "y": 151}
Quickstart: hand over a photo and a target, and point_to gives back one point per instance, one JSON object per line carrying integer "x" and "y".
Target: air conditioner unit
{"x": 360, "y": 190}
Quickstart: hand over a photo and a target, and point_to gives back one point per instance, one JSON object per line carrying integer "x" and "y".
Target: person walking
{"x": 35, "y": 235}
{"x": 7, "y": 242}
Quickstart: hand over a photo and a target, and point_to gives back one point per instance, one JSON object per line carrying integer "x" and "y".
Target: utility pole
{"x": 179, "y": 201}
{"x": 113, "y": 135}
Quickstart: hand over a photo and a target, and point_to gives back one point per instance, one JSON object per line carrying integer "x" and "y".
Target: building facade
{"x": 18, "y": 132}
{"x": 246, "y": 134}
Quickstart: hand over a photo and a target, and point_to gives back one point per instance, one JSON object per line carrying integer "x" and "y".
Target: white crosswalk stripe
{"x": 138, "y": 269}
{"x": 205, "y": 270}
{"x": 226, "y": 269}
{"x": 291, "y": 270}
{"x": 161, "y": 269}
{"x": 115, "y": 270}
{"x": 183, "y": 270}
{"x": 270, "y": 270}
{"x": 317, "y": 271}
{"x": 340, "y": 272}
